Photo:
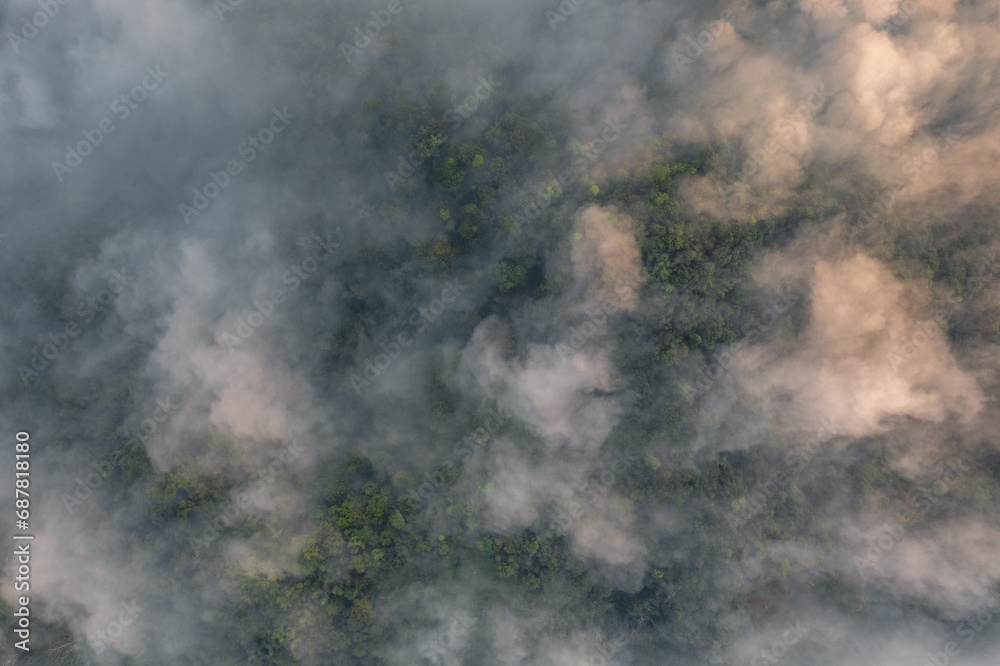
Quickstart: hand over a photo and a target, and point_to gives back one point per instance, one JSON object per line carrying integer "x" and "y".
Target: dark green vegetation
{"x": 367, "y": 534}
{"x": 451, "y": 203}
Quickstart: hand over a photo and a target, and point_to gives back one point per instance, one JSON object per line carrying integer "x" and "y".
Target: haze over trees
{"x": 583, "y": 333}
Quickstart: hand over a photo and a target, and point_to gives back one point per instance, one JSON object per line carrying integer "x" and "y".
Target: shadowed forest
{"x": 427, "y": 332}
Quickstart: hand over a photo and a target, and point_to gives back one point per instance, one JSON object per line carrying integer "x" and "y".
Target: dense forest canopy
{"x": 438, "y": 332}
